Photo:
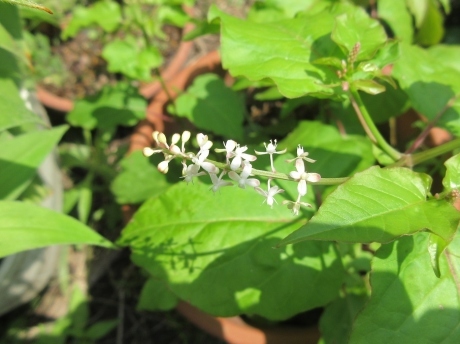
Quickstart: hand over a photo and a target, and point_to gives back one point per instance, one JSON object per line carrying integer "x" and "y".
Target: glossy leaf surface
{"x": 409, "y": 303}
{"x": 26, "y": 226}
{"x": 20, "y": 157}
{"x": 117, "y": 105}
{"x": 379, "y": 205}
{"x": 191, "y": 238}
{"x": 211, "y": 105}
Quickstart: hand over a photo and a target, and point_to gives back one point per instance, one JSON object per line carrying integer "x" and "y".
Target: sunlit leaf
{"x": 41, "y": 227}
{"x": 409, "y": 304}
{"x": 190, "y": 238}
{"x": 379, "y": 205}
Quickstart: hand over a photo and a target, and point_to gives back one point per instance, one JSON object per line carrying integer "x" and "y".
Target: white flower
{"x": 218, "y": 182}
{"x": 242, "y": 179}
{"x": 295, "y": 206}
{"x": 207, "y": 166}
{"x": 271, "y": 149}
{"x": 270, "y": 193}
{"x": 239, "y": 155}
{"x": 301, "y": 155}
{"x": 229, "y": 148}
{"x": 303, "y": 177}
{"x": 191, "y": 171}
{"x": 203, "y": 142}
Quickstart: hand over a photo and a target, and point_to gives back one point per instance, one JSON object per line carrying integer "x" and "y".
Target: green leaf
{"x": 201, "y": 28}
{"x": 368, "y": 86}
{"x": 127, "y": 57}
{"x": 358, "y": 27}
{"x": 216, "y": 252}
{"x": 12, "y": 107}
{"x": 211, "y": 105}
{"x": 448, "y": 54}
{"x": 451, "y": 180}
{"x": 431, "y": 30}
{"x": 30, "y": 4}
{"x": 397, "y": 16}
{"x": 336, "y": 155}
{"x": 282, "y": 51}
{"x": 106, "y": 14}
{"x": 138, "y": 180}
{"x": 420, "y": 74}
{"x": 408, "y": 303}
{"x": 155, "y": 296}
{"x": 41, "y": 227}
{"x": 337, "y": 319}
{"x": 116, "y": 105}
{"x": 436, "y": 246}
{"x": 20, "y": 157}
{"x": 379, "y": 205}
{"x": 101, "y": 328}
{"x": 8, "y": 43}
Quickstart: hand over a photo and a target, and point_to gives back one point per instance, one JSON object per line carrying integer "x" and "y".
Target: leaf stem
{"x": 369, "y": 126}
{"x": 414, "y": 159}
{"x": 421, "y": 138}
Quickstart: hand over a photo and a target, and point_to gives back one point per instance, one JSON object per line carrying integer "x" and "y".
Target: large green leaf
{"x": 379, "y": 205}
{"x": 337, "y": 319}
{"x": 409, "y": 304}
{"x": 282, "y": 51}
{"x": 127, "y": 57}
{"x": 117, "y": 105}
{"x": 211, "y": 105}
{"x": 398, "y": 17}
{"x": 216, "y": 252}
{"x": 139, "y": 180}
{"x": 26, "y": 226}
{"x": 12, "y": 108}
{"x": 358, "y": 27}
{"x": 430, "y": 84}
{"x": 21, "y": 156}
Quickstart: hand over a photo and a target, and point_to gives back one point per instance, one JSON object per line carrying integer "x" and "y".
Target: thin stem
{"x": 369, "y": 126}
{"x": 421, "y": 138}
{"x": 414, "y": 159}
{"x": 164, "y": 87}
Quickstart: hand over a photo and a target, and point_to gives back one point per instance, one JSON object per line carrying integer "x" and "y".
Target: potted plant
{"x": 216, "y": 250}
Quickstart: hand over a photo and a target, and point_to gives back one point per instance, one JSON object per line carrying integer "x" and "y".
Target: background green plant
{"x": 378, "y": 252}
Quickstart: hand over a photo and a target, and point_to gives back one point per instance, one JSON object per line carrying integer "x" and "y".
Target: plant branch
{"x": 421, "y": 138}
{"x": 414, "y": 159}
{"x": 369, "y": 126}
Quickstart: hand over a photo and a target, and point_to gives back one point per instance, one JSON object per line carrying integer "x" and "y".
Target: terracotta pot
{"x": 234, "y": 330}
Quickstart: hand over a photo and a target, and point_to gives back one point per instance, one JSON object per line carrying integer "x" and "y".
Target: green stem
{"x": 414, "y": 159}
{"x": 278, "y": 175}
{"x": 369, "y": 126}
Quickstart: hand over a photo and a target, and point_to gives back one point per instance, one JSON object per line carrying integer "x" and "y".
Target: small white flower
{"x": 301, "y": 155}
{"x": 295, "y": 206}
{"x": 191, "y": 171}
{"x": 239, "y": 155}
{"x": 217, "y": 183}
{"x": 270, "y": 193}
{"x": 303, "y": 177}
{"x": 271, "y": 149}
{"x": 242, "y": 179}
{"x": 203, "y": 142}
{"x": 147, "y": 151}
{"x": 207, "y": 166}
{"x": 230, "y": 146}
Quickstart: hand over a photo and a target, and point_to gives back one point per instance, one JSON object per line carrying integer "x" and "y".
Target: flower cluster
{"x": 238, "y": 165}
